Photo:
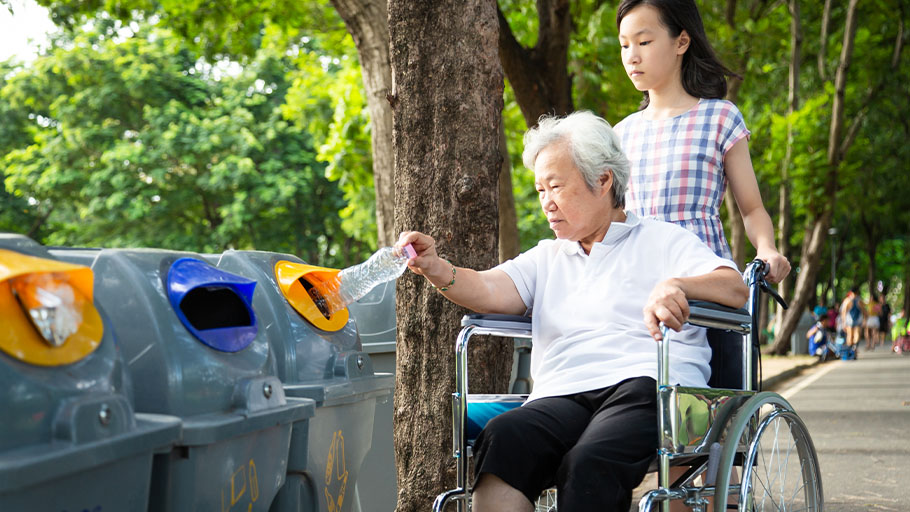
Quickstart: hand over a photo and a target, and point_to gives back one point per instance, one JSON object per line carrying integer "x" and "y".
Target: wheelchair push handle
{"x": 756, "y": 271}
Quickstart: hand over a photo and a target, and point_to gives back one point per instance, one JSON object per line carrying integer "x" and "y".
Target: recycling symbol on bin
{"x": 336, "y": 474}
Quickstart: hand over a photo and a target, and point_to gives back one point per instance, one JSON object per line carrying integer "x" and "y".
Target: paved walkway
{"x": 777, "y": 370}
{"x": 858, "y": 413}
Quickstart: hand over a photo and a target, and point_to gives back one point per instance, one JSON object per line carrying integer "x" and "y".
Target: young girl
{"x": 687, "y": 142}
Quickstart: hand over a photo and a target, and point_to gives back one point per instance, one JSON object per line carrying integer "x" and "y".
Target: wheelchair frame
{"x": 738, "y": 419}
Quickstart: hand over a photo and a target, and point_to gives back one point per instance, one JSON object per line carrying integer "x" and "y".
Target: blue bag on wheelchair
{"x": 482, "y": 408}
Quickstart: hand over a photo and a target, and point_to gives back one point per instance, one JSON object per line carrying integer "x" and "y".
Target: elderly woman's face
{"x": 574, "y": 211}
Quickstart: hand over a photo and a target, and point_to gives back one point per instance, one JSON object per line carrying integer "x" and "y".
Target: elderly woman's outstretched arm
{"x": 487, "y": 291}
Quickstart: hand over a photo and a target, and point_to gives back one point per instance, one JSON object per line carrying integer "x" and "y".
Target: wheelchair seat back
{"x": 727, "y": 360}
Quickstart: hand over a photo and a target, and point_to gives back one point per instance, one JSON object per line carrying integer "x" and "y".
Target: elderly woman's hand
{"x": 667, "y": 304}
{"x": 426, "y": 260}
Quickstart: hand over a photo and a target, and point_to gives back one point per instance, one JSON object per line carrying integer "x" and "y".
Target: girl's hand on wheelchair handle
{"x": 667, "y": 304}
{"x": 777, "y": 266}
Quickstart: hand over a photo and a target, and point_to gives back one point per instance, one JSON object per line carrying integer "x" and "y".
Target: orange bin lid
{"x": 288, "y": 274}
{"x": 19, "y": 338}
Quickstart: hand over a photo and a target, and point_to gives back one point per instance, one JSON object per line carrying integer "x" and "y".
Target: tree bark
{"x": 784, "y": 220}
{"x": 540, "y": 75}
{"x": 737, "y": 239}
{"x": 447, "y": 104}
{"x": 905, "y": 304}
{"x": 367, "y": 22}
{"x": 814, "y": 244}
{"x": 870, "y": 233}
{"x": 509, "y": 245}
{"x": 737, "y": 229}
{"x": 823, "y": 41}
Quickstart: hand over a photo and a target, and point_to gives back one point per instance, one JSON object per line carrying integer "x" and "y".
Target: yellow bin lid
{"x": 290, "y": 277}
{"x": 35, "y": 284}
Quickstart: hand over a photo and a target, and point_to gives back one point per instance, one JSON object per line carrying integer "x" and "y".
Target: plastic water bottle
{"x": 354, "y": 282}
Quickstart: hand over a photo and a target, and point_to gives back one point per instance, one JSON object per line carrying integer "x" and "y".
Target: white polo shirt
{"x": 588, "y": 325}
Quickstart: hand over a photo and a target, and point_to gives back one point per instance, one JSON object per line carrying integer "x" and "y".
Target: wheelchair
{"x": 746, "y": 448}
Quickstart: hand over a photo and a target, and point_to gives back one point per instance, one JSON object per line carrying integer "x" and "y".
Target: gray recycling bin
{"x": 319, "y": 357}
{"x": 374, "y": 315}
{"x": 69, "y": 437}
{"x": 196, "y": 349}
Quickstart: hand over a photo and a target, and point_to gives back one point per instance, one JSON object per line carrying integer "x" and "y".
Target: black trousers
{"x": 595, "y": 447}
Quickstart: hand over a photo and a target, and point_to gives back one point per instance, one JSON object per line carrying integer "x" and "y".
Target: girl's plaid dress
{"x": 678, "y": 166}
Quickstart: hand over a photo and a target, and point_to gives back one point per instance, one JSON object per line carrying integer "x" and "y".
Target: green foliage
{"x": 227, "y": 28}
{"x": 599, "y": 84}
{"x": 599, "y": 80}
{"x": 532, "y": 225}
{"x": 327, "y": 98}
{"x": 220, "y": 139}
{"x": 133, "y": 140}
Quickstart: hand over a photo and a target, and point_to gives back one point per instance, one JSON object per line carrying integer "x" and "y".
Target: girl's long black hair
{"x": 703, "y": 74}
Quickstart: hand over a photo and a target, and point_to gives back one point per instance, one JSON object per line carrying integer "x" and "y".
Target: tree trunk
{"x": 823, "y": 41}
{"x": 814, "y": 244}
{"x": 447, "y": 106}
{"x": 509, "y": 245}
{"x": 905, "y": 304}
{"x": 737, "y": 229}
{"x": 785, "y": 213}
{"x": 872, "y": 248}
{"x": 757, "y": 10}
{"x": 368, "y": 23}
{"x": 737, "y": 239}
{"x": 540, "y": 75}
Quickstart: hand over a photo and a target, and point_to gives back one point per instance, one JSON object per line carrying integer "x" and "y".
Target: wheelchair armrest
{"x": 709, "y": 314}
{"x": 498, "y": 325}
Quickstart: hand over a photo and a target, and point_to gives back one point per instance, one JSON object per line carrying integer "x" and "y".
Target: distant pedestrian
{"x": 899, "y": 336}
{"x": 831, "y": 322}
{"x": 871, "y": 323}
{"x": 884, "y": 319}
{"x": 852, "y": 313}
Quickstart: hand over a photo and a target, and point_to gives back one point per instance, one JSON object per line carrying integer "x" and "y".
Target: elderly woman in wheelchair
{"x": 603, "y": 295}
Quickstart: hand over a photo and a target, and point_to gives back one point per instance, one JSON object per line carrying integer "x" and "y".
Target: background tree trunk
{"x": 368, "y": 23}
{"x": 447, "y": 106}
{"x": 905, "y": 302}
{"x": 785, "y": 214}
{"x": 823, "y": 41}
{"x": 813, "y": 245}
{"x": 509, "y": 244}
{"x": 540, "y": 75}
{"x": 737, "y": 239}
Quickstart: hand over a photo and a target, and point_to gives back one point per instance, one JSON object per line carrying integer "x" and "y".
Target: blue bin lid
{"x": 189, "y": 274}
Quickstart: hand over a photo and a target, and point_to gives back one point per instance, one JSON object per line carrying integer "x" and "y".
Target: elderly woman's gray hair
{"x": 593, "y": 145}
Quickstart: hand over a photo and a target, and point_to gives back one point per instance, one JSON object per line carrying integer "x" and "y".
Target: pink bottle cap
{"x": 410, "y": 250}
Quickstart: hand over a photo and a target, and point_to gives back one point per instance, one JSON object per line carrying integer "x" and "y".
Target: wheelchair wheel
{"x": 777, "y": 461}
{"x": 546, "y": 502}
{"x": 781, "y": 471}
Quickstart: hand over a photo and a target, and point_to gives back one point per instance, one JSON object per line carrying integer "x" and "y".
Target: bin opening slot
{"x": 318, "y": 299}
{"x": 215, "y": 307}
